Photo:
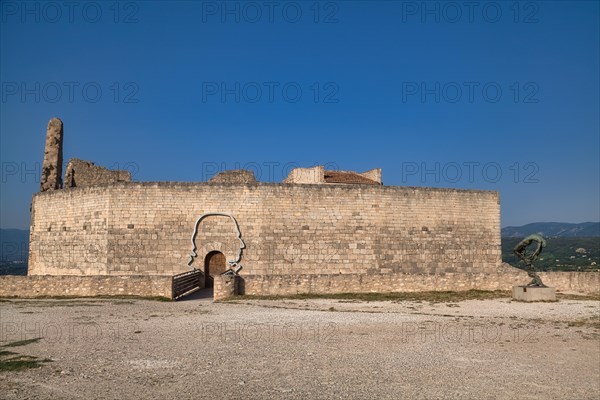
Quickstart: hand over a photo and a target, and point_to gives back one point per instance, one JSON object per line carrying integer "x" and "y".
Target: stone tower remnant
{"x": 82, "y": 173}
{"x": 51, "y": 178}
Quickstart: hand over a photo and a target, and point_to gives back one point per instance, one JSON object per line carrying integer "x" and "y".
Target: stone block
{"x": 225, "y": 286}
{"x": 534, "y": 293}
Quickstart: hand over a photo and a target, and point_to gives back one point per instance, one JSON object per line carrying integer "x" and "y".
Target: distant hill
{"x": 554, "y": 229}
{"x": 560, "y": 254}
{"x": 14, "y": 250}
{"x": 14, "y": 244}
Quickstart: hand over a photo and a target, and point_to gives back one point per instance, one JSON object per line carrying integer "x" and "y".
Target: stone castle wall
{"x": 587, "y": 283}
{"x": 504, "y": 278}
{"x": 85, "y": 286}
{"x": 146, "y": 229}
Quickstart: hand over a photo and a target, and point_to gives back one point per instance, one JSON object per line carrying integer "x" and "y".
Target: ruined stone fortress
{"x": 318, "y": 231}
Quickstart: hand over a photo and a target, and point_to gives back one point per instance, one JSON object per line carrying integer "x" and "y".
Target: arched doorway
{"x": 214, "y": 264}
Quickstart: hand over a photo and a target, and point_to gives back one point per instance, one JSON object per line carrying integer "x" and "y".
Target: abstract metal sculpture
{"x": 234, "y": 264}
{"x": 521, "y": 251}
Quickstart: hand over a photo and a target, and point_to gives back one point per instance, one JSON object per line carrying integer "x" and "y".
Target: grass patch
{"x": 565, "y": 296}
{"x": 434, "y": 297}
{"x": 11, "y": 361}
{"x": 535, "y": 301}
{"x": 66, "y": 301}
{"x": 19, "y": 363}
{"x": 131, "y": 298}
{"x": 156, "y": 298}
{"x": 19, "y": 343}
{"x": 591, "y": 322}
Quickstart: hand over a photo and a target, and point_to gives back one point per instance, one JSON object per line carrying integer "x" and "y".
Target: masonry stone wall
{"x": 287, "y": 229}
{"x": 587, "y": 283}
{"x": 69, "y": 233}
{"x": 306, "y": 175}
{"x": 226, "y": 286}
{"x": 576, "y": 282}
{"x": 240, "y": 176}
{"x": 504, "y": 278}
{"x": 85, "y": 286}
{"x": 82, "y": 173}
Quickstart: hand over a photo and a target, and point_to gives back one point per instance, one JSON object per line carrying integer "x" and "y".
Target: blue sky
{"x": 501, "y": 95}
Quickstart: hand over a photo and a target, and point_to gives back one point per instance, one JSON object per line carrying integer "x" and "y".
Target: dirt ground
{"x": 300, "y": 349}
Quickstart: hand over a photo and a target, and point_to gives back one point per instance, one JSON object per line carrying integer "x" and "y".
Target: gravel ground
{"x": 303, "y": 349}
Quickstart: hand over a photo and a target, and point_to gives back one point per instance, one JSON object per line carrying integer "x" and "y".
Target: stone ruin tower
{"x": 79, "y": 173}
{"x": 53, "y": 157}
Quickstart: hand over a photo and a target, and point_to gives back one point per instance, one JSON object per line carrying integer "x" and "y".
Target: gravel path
{"x": 303, "y": 349}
